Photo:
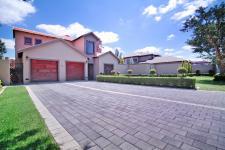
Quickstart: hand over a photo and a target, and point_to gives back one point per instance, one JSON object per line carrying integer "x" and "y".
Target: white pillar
{"x": 86, "y": 70}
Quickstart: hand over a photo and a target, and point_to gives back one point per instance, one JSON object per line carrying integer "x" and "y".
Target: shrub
{"x": 152, "y": 72}
{"x": 118, "y": 73}
{"x": 154, "y": 81}
{"x": 211, "y": 72}
{"x": 197, "y": 73}
{"x": 167, "y": 75}
{"x": 1, "y": 83}
{"x": 113, "y": 72}
{"x": 219, "y": 77}
{"x": 182, "y": 71}
{"x": 129, "y": 71}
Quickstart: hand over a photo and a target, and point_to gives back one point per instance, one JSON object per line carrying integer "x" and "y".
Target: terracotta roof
{"x": 164, "y": 59}
{"x": 65, "y": 37}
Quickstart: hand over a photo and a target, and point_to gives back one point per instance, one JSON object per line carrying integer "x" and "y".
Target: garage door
{"x": 74, "y": 71}
{"x": 44, "y": 70}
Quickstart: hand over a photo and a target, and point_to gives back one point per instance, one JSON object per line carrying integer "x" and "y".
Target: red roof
{"x": 66, "y": 37}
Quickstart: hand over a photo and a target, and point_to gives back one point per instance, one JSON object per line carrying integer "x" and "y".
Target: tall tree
{"x": 2, "y": 49}
{"x": 208, "y": 33}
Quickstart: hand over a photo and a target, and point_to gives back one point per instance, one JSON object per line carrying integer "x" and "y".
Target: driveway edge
{"x": 61, "y": 136}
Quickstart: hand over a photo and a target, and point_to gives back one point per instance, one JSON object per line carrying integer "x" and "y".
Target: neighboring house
{"x": 165, "y": 64}
{"x": 44, "y": 57}
{"x": 138, "y": 58}
{"x": 204, "y": 67}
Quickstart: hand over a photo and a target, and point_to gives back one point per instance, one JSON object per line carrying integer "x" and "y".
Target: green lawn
{"x": 207, "y": 83}
{"x": 21, "y": 126}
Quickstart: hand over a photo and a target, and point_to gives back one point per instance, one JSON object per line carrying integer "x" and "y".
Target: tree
{"x": 187, "y": 65}
{"x": 120, "y": 56}
{"x": 2, "y": 49}
{"x": 208, "y": 33}
{"x": 182, "y": 71}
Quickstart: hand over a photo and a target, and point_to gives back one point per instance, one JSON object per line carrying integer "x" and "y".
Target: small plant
{"x": 118, "y": 73}
{"x": 183, "y": 71}
{"x": 129, "y": 71}
{"x": 211, "y": 72}
{"x": 113, "y": 72}
{"x": 197, "y": 72}
{"x": 1, "y": 83}
{"x": 152, "y": 72}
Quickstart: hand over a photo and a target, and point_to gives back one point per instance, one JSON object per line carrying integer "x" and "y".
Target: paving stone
{"x": 171, "y": 147}
{"x": 144, "y": 146}
{"x": 196, "y": 137}
{"x": 102, "y": 142}
{"x": 172, "y": 141}
{"x": 116, "y": 140}
{"x": 127, "y": 146}
{"x": 157, "y": 143}
{"x": 184, "y": 139}
{"x": 106, "y": 133}
{"x": 188, "y": 147}
{"x": 131, "y": 139}
{"x": 142, "y": 136}
{"x": 119, "y": 132}
{"x": 203, "y": 146}
{"x": 111, "y": 147}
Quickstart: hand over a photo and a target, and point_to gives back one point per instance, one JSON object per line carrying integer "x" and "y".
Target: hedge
{"x": 153, "y": 81}
{"x": 219, "y": 78}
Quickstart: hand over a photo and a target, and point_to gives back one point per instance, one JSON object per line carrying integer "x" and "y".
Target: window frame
{"x": 38, "y": 40}
{"x": 88, "y": 41}
{"x": 31, "y": 41}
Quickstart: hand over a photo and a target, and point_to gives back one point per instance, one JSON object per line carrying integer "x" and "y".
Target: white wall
{"x": 55, "y": 51}
{"x": 203, "y": 67}
{"x": 121, "y": 68}
{"x": 5, "y": 71}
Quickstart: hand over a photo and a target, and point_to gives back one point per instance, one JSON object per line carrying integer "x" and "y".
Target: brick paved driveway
{"x": 115, "y": 116}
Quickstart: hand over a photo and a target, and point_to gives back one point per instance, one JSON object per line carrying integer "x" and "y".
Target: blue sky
{"x": 137, "y": 26}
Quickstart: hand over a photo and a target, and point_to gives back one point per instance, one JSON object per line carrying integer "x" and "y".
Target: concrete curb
{"x": 61, "y": 136}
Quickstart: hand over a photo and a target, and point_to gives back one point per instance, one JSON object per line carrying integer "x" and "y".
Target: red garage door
{"x": 44, "y": 70}
{"x": 74, "y": 71}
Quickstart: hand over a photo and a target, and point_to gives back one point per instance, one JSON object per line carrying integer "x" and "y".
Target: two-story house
{"x": 138, "y": 58}
{"x": 44, "y": 57}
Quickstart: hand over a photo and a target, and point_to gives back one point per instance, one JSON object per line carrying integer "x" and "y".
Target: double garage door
{"x": 47, "y": 70}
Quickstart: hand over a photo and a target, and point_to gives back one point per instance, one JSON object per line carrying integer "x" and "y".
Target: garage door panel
{"x": 44, "y": 70}
{"x": 74, "y": 71}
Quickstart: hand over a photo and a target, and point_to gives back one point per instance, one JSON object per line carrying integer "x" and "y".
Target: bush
{"x": 1, "y": 83}
{"x": 152, "y": 72}
{"x": 129, "y": 71}
{"x": 167, "y": 75}
{"x": 154, "y": 81}
{"x": 211, "y": 72}
{"x": 182, "y": 71}
{"x": 113, "y": 72}
{"x": 197, "y": 73}
{"x": 219, "y": 77}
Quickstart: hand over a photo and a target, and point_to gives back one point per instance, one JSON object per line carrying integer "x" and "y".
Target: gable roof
{"x": 89, "y": 33}
{"x": 65, "y": 37}
{"x": 109, "y": 52}
{"x": 51, "y": 42}
{"x": 140, "y": 54}
{"x": 164, "y": 59}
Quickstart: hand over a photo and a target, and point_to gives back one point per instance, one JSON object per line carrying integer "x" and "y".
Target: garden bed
{"x": 177, "y": 82}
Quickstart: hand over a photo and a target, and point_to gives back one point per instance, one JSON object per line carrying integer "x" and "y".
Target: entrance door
{"x": 90, "y": 72}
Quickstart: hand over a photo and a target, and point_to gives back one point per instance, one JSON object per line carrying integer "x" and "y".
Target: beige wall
{"x": 5, "y": 71}
{"x": 203, "y": 67}
{"x": 121, "y": 68}
{"x": 55, "y": 51}
{"x": 167, "y": 68}
{"x": 140, "y": 68}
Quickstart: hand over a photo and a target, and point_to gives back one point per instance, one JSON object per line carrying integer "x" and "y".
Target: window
{"x": 89, "y": 47}
{"x": 28, "y": 41}
{"x": 38, "y": 41}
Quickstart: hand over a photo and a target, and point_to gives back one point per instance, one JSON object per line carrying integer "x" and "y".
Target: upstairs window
{"x": 90, "y": 47}
{"x": 28, "y": 41}
{"x": 38, "y": 41}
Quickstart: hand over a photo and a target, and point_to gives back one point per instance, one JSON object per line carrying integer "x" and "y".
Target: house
{"x": 203, "y": 67}
{"x": 138, "y": 58}
{"x": 44, "y": 57}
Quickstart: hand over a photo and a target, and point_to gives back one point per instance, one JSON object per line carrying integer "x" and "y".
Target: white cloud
{"x": 150, "y": 10}
{"x": 148, "y": 50}
{"x": 107, "y": 37}
{"x": 189, "y": 8}
{"x": 13, "y": 11}
{"x": 170, "y": 6}
{"x": 76, "y": 29}
{"x": 171, "y": 36}
{"x": 158, "y": 18}
{"x": 9, "y": 43}
{"x": 188, "y": 48}
{"x": 168, "y": 50}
